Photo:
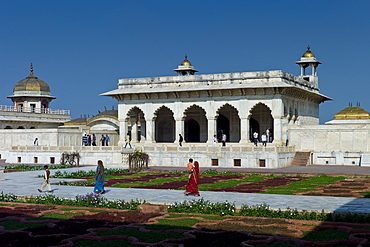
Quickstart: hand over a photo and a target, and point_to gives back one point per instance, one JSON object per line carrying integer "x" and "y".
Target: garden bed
{"x": 44, "y": 225}
{"x": 322, "y": 185}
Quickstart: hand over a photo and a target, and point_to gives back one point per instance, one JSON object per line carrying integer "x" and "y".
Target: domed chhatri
{"x": 32, "y": 83}
{"x": 308, "y": 53}
{"x": 308, "y": 60}
{"x": 185, "y": 68}
{"x": 31, "y": 94}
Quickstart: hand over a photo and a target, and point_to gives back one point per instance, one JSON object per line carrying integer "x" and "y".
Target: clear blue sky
{"x": 82, "y": 48}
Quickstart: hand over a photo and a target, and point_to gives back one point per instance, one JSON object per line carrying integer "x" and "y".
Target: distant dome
{"x": 113, "y": 113}
{"x": 31, "y": 83}
{"x": 186, "y": 61}
{"x": 352, "y": 113}
{"x": 308, "y": 53}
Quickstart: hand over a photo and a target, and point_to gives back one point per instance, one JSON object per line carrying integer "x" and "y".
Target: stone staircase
{"x": 301, "y": 159}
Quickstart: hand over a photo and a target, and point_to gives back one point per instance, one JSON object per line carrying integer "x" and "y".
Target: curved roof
{"x": 32, "y": 83}
{"x": 113, "y": 113}
{"x": 308, "y": 53}
{"x": 186, "y": 62}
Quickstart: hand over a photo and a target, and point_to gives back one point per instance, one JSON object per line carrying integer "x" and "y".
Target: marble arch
{"x": 260, "y": 119}
{"x": 164, "y": 125}
{"x": 195, "y": 124}
{"x": 136, "y": 124}
{"x": 228, "y": 122}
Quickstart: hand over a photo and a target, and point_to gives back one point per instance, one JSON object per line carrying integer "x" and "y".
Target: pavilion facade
{"x": 159, "y": 109}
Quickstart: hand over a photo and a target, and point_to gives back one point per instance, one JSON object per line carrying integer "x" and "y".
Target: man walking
{"x": 46, "y": 179}
{"x": 128, "y": 141}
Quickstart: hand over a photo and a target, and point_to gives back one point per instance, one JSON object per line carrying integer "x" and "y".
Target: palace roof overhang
{"x": 276, "y": 80}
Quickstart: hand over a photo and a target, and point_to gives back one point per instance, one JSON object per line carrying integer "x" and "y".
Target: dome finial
{"x": 31, "y": 68}
{"x": 186, "y": 62}
{"x": 308, "y": 53}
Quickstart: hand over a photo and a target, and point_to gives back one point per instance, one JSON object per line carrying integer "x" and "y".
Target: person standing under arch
{"x": 224, "y": 137}
{"x": 255, "y": 138}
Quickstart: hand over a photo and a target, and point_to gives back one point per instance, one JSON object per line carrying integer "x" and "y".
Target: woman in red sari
{"x": 192, "y": 185}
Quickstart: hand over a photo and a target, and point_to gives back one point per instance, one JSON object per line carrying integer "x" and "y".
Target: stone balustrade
{"x": 7, "y": 108}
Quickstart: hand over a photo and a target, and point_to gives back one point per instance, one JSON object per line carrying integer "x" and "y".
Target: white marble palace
{"x": 155, "y": 111}
{"x": 158, "y": 109}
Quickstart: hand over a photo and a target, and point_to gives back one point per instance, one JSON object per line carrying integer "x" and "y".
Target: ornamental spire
{"x": 31, "y": 68}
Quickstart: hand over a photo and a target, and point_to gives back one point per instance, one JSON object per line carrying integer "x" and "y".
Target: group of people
{"x": 191, "y": 186}
{"x": 90, "y": 140}
{"x": 265, "y": 137}
{"x": 99, "y": 179}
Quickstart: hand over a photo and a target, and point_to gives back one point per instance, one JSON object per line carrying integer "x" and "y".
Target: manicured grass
{"x": 90, "y": 210}
{"x": 59, "y": 216}
{"x": 175, "y": 224}
{"x": 326, "y": 235}
{"x": 303, "y": 185}
{"x": 208, "y": 217}
{"x": 153, "y": 237}
{"x": 229, "y": 183}
{"x": 111, "y": 243}
{"x": 157, "y": 181}
{"x": 310, "y": 184}
{"x": 277, "y": 245}
{"x": 15, "y": 225}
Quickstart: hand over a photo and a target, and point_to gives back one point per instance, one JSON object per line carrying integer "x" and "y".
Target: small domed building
{"x": 31, "y": 99}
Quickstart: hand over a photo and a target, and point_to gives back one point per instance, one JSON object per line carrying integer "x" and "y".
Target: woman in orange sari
{"x": 192, "y": 185}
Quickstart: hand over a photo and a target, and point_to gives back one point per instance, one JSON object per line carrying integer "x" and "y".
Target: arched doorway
{"x": 164, "y": 125}
{"x": 136, "y": 124}
{"x": 228, "y": 123}
{"x": 223, "y": 127}
{"x": 196, "y": 125}
{"x": 253, "y": 126}
{"x": 192, "y": 131}
{"x": 261, "y": 120}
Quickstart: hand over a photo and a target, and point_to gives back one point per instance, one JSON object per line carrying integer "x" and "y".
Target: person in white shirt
{"x": 255, "y": 138}
{"x": 223, "y": 140}
{"x": 214, "y": 141}
{"x": 264, "y": 139}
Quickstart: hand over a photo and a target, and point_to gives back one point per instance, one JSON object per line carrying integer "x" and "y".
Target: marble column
{"x": 134, "y": 132}
{"x": 150, "y": 131}
{"x": 244, "y": 130}
{"x": 122, "y": 133}
{"x": 212, "y": 129}
{"x": 179, "y": 128}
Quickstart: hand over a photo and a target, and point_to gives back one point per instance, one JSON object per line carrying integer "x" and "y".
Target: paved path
{"x": 27, "y": 183}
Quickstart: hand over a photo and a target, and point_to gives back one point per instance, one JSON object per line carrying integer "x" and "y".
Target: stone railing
{"x": 33, "y": 110}
{"x": 159, "y": 148}
{"x": 68, "y": 149}
{"x": 212, "y": 149}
